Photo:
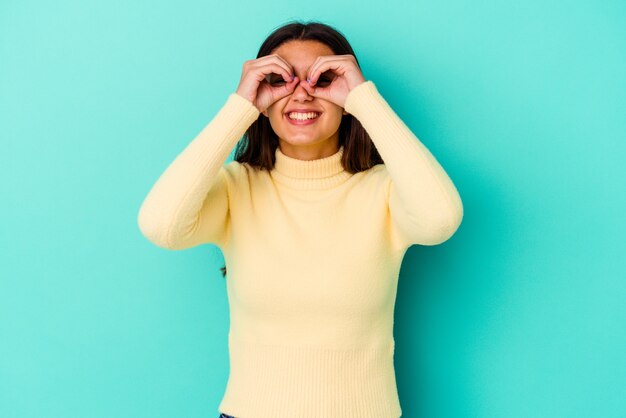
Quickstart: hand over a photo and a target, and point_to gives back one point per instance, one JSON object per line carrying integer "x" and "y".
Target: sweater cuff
{"x": 242, "y": 106}
{"x": 360, "y": 96}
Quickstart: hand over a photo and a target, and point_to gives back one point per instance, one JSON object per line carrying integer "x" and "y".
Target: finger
{"x": 313, "y": 67}
{"x": 276, "y": 66}
{"x": 292, "y": 84}
{"x": 333, "y": 65}
{"x": 319, "y": 92}
{"x": 286, "y": 65}
{"x": 287, "y": 88}
{"x": 321, "y": 64}
{"x": 289, "y": 66}
{"x": 268, "y": 71}
{"x": 321, "y": 58}
{"x": 309, "y": 89}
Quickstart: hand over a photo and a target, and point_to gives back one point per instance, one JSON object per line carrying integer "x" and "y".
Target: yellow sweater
{"x": 312, "y": 255}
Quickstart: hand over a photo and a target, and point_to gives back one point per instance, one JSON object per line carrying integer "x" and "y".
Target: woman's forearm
{"x": 191, "y": 188}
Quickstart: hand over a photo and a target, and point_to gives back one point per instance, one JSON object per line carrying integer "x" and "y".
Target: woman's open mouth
{"x": 297, "y": 118}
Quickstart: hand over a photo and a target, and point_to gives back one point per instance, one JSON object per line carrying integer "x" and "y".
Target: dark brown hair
{"x": 258, "y": 145}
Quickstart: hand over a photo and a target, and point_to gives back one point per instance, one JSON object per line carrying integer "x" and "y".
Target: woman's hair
{"x": 258, "y": 145}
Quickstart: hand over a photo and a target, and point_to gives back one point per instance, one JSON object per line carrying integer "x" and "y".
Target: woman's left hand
{"x": 343, "y": 73}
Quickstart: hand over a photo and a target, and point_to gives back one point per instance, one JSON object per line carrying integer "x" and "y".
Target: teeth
{"x": 303, "y": 116}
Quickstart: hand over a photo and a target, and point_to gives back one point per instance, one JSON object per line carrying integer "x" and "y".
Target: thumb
{"x": 288, "y": 88}
{"x": 314, "y": 91}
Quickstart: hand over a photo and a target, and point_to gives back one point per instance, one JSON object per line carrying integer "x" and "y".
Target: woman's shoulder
{"x": 237, "y": 171}
{"x": 373, "y": 179}
{"x": 232, "y": 172}
{"x": 378, "y": 171}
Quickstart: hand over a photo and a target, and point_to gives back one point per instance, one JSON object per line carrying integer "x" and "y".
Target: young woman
{"x": 327, "y": 191}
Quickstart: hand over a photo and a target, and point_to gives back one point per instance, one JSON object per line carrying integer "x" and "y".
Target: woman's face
{"x": 323, "y": 132}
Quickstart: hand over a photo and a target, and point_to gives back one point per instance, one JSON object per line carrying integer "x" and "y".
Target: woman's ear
{"x": 344, "y": 112}
{"x": 265, "y": 113}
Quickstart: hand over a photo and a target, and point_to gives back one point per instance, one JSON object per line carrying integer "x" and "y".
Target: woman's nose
{"x": 299, "y": 89}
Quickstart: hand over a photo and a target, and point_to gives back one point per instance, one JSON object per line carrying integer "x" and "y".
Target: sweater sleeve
{"x": 424, "y": 205}
{"x": 188, "y": 205}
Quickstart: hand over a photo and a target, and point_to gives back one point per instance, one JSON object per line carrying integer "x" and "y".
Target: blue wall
{"x": 521, "y": 314}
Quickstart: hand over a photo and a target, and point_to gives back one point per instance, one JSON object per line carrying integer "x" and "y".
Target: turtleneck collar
{"x": 322, "y": 173}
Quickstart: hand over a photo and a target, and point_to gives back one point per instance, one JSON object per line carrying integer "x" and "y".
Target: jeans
{"x": 225, "y": 416}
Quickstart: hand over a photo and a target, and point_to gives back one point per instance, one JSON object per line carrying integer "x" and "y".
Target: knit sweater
{"x": 313, "y": 254}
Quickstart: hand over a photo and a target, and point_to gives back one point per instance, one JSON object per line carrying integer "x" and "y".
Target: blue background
{"x": 520, "y": 314}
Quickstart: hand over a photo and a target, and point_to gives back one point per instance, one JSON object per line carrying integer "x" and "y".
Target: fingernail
{"x": 308, "y": 80}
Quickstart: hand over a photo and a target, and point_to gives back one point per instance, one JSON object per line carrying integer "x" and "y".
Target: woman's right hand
{"x": 254, "y": 84}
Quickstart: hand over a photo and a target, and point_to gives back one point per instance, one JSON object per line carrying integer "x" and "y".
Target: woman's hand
{"x": 255, "y": 87}
{"x": 342, "y": 71}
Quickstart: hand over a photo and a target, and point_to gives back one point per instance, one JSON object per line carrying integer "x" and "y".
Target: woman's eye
{"x": 274, "y": 79}
{"x": 323, "y": 81}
